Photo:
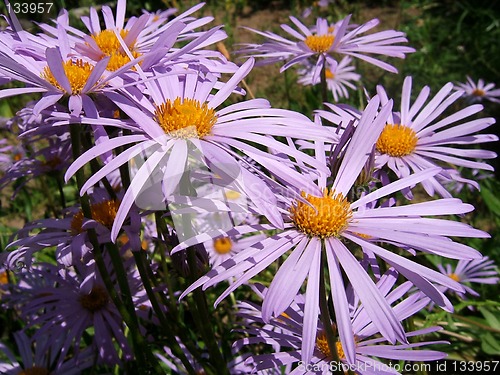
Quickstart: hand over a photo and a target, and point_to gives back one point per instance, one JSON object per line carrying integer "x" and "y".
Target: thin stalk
{"x": 61, "y": 191}
{"x": 137, "y": 339}
{"x": 145, "y": 271}
{"x": 202, "y": 311}
{"x": 323, "y": 85}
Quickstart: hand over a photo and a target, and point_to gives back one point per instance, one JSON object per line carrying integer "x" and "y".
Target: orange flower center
{"x": 320, "y": 43}
{"x": 78, "y": 72}
{"x": 478, "y": 92}
{"x": 185, "y": 119}
{"x": 325, "y": 216}
{"x": 322, "y": 345}
{"x": 102, "y": 212}
{"x": 109, "y": 44}
{"x": 397, "y": 140}
{"x": 223, "y": 245}
{"x": 454, "y": 276}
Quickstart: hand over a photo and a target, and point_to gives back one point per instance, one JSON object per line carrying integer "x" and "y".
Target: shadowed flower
{"x": 37, "y": 360}
{"x": 63, "y": 304}
{"x": 286, "y": 333}
{"x": 69, "y": 235}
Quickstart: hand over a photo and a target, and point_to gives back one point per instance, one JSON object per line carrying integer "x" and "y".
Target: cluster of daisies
{"x": 183, "y": 183}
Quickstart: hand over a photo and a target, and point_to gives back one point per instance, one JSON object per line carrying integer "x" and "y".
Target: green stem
{"x": 201, "y": 310}
{"x": 61, "y": 191}
{"x": 480, "y": 325}
{"x": 128, "y": 315}
{"x": 146, "y": 276}
{"x": 324, "y": 85}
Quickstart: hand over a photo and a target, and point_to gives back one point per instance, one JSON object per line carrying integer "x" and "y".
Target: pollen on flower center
{"x": 4, "y": 278}
{"x": 329, "y": 74}
{"x": 322, "y": 345}
{"x": 35, "y": 370}
{"x": 78, "y": 72}
{"x": 102, "y": 212}
{"x": 325, "y": 216}
{"x": 118, "y": 59}
{"x": 320, "y": 43}
{"x": 454, "y": 276}
{"x": 107, "y": 41}
{"x": 185, "y": 119}
{"x": 478, "y": 92}
{"x": 397, "y": 140}
{"x": 223, "y": 245}
{"x": 96, "y": 300}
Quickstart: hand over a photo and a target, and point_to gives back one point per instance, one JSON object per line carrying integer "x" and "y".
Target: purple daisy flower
{"x": 324, "y": 39}
{"x": 339, "y": 77}
{"x": 69, "y": 235}
{"x": 224, "y": 248}
{"x": 50, "y": 160}
{"x": 419, "y": 137}
{"x": 318, "y": 225}
{"x": 479, "y": 271}
{"x": 140, "y": 34}
{"x": 478, "y": 91}
{"x": 368, "y": 347}
{"x": 36, "y": 359}
{"x": 185, "y": 120}
{"x": 65, "y": 303}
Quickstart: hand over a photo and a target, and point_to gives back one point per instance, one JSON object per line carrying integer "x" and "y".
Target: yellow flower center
{"x": 329, "y": 74}
{"x": 107, "y": 41}
{"x": 96, "y": 300}
{"x": 118, "y": 59}
{"x": 109, "y": 44}
{"x": 454, "y": 276}
{"x": 185, "y": 119}
{"x": 478, "y": 92}
{"x": 102, "y": 212}
{"x": 35, "y": 370}
{"x": 223, "y": 245}
{"x": 232, "y": 195}
{"x": 397, "y": 140}
{"x": 4, "y": 278}
{"x": 78, "y": 73}
{"x": 320, "y": 43}
{"x": 322, "y": 345}
{"x": 325, "y": 216}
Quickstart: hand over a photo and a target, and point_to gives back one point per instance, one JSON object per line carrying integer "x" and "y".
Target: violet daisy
{"x": 36, "y": 359}
{"x": 180, "y": 117}
{"x": 69, "y": 235}
{"x": 65, "y": 303}
{"x": 478, "y": 91}
{"x": 365, "y": 356}
{"x": 339, "y": 77}
{"x": 419, "y": 137}
{"x": 317, "y": 226}
{"x": 224, "y": 248}
{"x": 323, "y": 40}
{"x": 479, "y": 271}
